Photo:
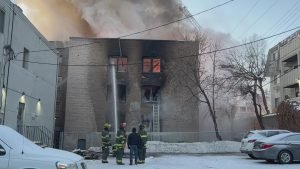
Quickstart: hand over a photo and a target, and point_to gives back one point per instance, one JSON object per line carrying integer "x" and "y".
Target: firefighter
{"x": 142, "y": 149}
{"x": 105, "y": 142}
{"x": 120, "y": 143}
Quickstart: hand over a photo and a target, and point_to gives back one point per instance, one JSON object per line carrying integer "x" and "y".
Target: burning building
{"x": 145, "y": 90}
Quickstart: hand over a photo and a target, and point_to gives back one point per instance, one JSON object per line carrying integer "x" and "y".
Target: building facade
{"x": 28, "y": 88}
{"x": 145, "y": 93}
{"x": 283, "y": 69}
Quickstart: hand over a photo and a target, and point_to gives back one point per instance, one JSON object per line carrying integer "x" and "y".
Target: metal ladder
{"x": 155, "y": 122}
{"x": 193, "y": 21}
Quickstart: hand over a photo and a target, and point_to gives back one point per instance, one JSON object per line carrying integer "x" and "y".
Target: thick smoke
{"x": 60, "y": 19}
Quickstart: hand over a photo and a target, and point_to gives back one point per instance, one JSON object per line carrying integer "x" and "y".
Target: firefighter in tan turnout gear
{"x": 105, "y": 142}
{"x": 142, "y": 150}
{"x": 120, "y": 143}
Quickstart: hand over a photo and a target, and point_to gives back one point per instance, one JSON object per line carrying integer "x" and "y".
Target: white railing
{"x": 290, "y": 77}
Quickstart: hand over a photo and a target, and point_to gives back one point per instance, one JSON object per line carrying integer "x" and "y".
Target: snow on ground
{"x": 188, "y": 148}
{"x": 195, "y": 162}
{"x": 192, "y": 148}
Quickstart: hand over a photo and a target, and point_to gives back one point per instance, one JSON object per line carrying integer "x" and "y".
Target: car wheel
{"x": 270, "y": 161}
{"x": 251, "y": 156}
{"x": 285, "y": 157}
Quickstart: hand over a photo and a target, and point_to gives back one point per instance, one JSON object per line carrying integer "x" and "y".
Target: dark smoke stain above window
{"x": 151, "y": 65}
{"x": 120, "y": 62}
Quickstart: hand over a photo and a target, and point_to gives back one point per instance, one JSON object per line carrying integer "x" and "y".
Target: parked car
{"x": 17, "y": 152}
{"x": 248, "y": 141}
{"x": 283, "y": 147}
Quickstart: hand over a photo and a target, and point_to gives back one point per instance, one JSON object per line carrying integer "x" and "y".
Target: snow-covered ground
{"x": 194, "y": 148}
{"x": 188, "y": 148}
{"x": 195, "y": 162}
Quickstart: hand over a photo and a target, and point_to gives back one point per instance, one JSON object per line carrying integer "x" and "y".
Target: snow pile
{"x": 187, "y": 148}
{"x": 194, "y": 148}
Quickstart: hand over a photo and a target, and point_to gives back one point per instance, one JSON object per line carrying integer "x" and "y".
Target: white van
{"x": 17, "y": 152}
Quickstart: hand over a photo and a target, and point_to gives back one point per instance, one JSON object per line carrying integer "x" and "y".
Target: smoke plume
{"x": 60, "y": 19}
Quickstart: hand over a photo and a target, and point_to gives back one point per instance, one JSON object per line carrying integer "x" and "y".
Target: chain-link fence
{"x": 71, "y": 141}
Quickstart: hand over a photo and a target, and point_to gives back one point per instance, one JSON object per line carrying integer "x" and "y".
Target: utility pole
{"x": 10, "y": 57}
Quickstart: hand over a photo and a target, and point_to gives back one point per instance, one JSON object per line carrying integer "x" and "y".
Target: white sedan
{"x": 17, "y": 152}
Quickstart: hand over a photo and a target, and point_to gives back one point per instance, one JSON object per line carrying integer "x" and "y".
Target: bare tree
{"x": 247, "y": 66}
{"x": 199, "y": 76}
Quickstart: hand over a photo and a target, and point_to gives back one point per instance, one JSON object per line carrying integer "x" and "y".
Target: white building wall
{"x": 39, "y": 81}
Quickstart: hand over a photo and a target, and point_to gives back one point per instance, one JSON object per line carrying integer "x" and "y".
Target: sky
{"x": 243, "y": 18}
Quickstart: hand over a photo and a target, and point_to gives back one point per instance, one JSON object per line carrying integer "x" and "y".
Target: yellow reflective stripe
{"x": 119, "y": 161}
{"x": 143, "y": 136}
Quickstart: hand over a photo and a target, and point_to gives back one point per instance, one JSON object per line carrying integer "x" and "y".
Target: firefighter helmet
{"x": 142, "y": 126}
{"x": 107, "y": 125}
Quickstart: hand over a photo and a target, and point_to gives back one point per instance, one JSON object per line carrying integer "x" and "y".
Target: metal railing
{"x": 38, "y": 134}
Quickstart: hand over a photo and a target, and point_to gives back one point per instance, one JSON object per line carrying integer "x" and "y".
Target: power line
{"x": 259, "y": 18}
{"x": 245, "y": 16}
{"x": 142, "y": 31}
{"x": 281, "y": 20}
{"x": 181, "y": 57}
{"x": 178, "y": 20}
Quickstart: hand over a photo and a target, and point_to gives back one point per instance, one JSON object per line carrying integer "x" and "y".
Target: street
{"x": 196, "y": 162}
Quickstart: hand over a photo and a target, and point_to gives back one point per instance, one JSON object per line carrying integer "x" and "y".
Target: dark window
{"x": 151, "y": 65}
{"x": 25, "y": 58}
{"x": 20, "y": 117}
{"x": 81, "y": 144}
{"x": 151, "y": 93}
{"x": 121, "y": 63}
{"x": 122, "y": 92}
{"x": 2, "y": 21}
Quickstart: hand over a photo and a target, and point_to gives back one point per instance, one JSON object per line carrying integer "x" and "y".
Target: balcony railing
{"x": 290, "y": 77}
